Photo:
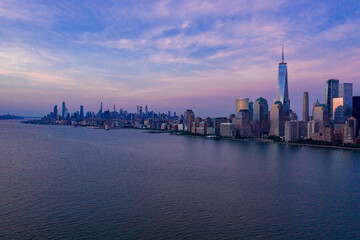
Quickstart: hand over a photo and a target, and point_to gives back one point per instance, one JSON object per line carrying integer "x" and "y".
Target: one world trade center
{"x": 282, "y": 91}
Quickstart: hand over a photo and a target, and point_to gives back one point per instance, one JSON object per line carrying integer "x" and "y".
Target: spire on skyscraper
{"x": 282, "y": 54}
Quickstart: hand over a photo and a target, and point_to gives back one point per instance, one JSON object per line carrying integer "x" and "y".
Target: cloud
{"x": 168, "y": 50}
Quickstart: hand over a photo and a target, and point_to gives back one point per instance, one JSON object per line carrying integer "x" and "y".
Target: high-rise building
{"x": 282, "y": 91}
{"x": 353, "y": 123}
{"x": 55, "y": 111}
{"x": 306, "y": 107}
{"x": 146, "y": 109}
{"x": 312, "y": 127}
{"x": 187, "y": 113}
{"x": 338, "y": 110}
{"x": 101, "y": 107}
{"x": 261, "y": 110}
{"x": 331, "y": 92}
{"x": 242, "y": 123}
{"x": 81, "y": 112}
{"x": 346, "y": 92}
{"x": 321, "y": 115}
{"x": 292, "y": 131}
{"x": 251, "y": 110}
{"x": 277, "y": 119}
{"x": 241, "y": 104}
{"x": 356, "y": 107}
{"x": 63, "y": 110}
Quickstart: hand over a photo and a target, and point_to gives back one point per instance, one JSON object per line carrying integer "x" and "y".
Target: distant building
{"x": 306, "y": 107}
{"x": 241, "y": 104}
{"x": 312, "y": 127}
{"x": 321, "y": 114}
{"x": 187, "y": 113}
{"x": 64, "y": 110}
{"x": 331, "y": 92}
{"x": 217, "y": 123}
{"x": 242, "y": 123}
{"x": 354, "y": 124}
{"x": 338, "y": 110}
{"x": 291, "y": 131}
{"x": 346, "y": 92}
{"x": 55, "y": 111}
{"x": 191, "y": 127}
{"x": 261, "y": 110}
{"x": 282, "y": 91}
{"x": 227, "y": 130}
{"x": 81, "y": 112}
{"x": 356, "y": 107}
{"x": 277, "y": 119}
{"x": 251, "y": 110}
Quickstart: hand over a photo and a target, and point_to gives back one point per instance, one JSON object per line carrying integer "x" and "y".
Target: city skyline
{"x": 201, "y": 59}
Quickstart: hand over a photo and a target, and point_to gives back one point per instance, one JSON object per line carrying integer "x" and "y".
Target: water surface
{"x": 59, "y": 182}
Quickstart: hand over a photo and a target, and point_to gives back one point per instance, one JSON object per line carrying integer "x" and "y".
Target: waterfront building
{"x": 306, "y": 107}
{"x": 303, "y": 129}
{"x": 354, "y": 124}
{"x": 312, "y": 127}
{"x": 277, "y": 119}
{"x": 191, "y": 123}
{"x": 241, "y": 104}
{"x": 261, "y": 110}
{"x": 227, "y": 130}
{"x": 346, "y": 92}
{"x": 328, "y": 134}
{"x": 210, "y": 130}
{"x": 321, "y": 115}
{"x": 291, "y": 131}
{"x": 356, "y": 107}
{"x": 217, "y": 123}
{"x": 242, "y": 123}
{"x": 187, "y": 113}
{"x": 338, "y": 110}
{"x": 282, "y": 91}
{"x": 347, "y": 135}
{"x": 331, "y": 92}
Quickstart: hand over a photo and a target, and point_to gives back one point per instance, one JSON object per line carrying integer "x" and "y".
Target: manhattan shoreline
{"x": 188, "y": 134}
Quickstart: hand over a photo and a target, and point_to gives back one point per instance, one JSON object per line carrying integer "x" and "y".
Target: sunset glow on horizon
{"x": 172, "y": 55}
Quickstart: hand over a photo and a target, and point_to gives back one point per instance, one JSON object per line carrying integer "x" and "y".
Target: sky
{"x": 172, "y": 54}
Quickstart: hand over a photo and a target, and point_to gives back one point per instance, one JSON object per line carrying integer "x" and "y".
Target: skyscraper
{"x": 261, "y": 110}
{"x": 277, "y": 119}
{"x": 331, "y": 92}
{"x": 251, "y": 110}
{"x": 346, "y": 92}
{"x": 338, "y": 110}
{"x": 306, "y": 107}
{"x": 81, "y": 112}
{"x": 321, "y": 115}
{"x": 101, "y": 107}
{"x": 241, "y": 104}
{"x": 55, "y": 111}
{"x": 63, "y": 110}
{"x": 356, "y": 107}
{"x": 282, "y": 91}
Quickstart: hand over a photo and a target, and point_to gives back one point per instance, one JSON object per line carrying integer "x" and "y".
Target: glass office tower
{"x": 282, "y": 91}
{"x": 331, "y": 92}
{"x": 346, "y": 92}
